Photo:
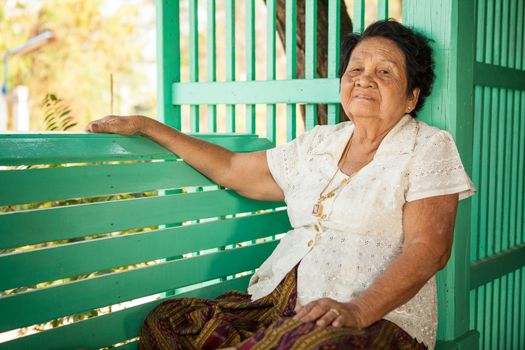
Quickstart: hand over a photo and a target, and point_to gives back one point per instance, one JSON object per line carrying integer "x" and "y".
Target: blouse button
{"x": 310, "y": 243}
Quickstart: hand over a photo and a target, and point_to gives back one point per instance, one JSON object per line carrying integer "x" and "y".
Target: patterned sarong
{"x": 233, "y": 320}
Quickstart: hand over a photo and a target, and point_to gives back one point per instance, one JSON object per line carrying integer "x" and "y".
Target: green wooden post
{"x": 291, "y": 64}
{"x": 452, "y": 25}
{"x": 359, "y": 15}
{"x": 229, "y": 6}
{"x": 194, "y": 59}
{"x": 271, "y": 24}
{"x": 382, "y": 9}
{"x": 168, "y": 61}
{"x": 310, "y": 56}
{"x": 211, "y": 61}
{"x": 250, "y": 61}
{"x": 334, "y": 26}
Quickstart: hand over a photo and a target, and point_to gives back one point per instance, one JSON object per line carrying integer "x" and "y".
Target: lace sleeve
{"x": 284, "y": 160}
{"x": 436, "y": 169}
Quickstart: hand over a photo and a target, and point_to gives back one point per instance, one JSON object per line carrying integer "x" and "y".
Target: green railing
{"x": 497, "y": 308}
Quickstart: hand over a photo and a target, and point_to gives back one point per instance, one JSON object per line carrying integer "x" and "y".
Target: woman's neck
{"x": 370, "y": 132}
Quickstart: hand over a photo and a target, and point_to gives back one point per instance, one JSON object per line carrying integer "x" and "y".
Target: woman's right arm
{"x": 246, "y": 173}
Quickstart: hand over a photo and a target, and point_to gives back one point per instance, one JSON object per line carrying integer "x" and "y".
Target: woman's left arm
{"x": 428, "y": 234}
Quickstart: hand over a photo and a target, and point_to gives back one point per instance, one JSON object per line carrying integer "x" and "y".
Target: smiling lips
{"x": 364, "y": 97}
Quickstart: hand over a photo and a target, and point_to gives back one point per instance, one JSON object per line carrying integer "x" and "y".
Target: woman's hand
{"x": 328, "y": 312}
{"x": 112, "y": 124}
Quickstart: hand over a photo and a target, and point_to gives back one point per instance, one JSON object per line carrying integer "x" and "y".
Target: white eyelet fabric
{"x": 363, "y": 232}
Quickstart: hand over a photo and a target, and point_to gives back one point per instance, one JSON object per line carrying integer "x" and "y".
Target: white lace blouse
{"x": 341, "y": 255}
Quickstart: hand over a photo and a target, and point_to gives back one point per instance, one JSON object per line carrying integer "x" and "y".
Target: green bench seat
{"x": 92, "y": 221}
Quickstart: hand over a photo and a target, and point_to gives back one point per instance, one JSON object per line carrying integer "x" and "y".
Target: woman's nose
{"x": 364, "y": 80}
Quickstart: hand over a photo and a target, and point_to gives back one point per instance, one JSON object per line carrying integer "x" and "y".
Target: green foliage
{"x": 89, "y": 44}
{"x": 57, "y": 115}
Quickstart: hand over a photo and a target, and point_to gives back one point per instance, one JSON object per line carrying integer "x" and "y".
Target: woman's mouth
{"x": 364, "y": 97}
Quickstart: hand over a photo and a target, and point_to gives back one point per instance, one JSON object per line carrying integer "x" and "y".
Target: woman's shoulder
{"x": 430, "y": 136}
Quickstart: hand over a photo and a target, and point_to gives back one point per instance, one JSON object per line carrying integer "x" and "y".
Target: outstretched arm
{"x": 428, "y": 227}
{"x": 246, "y": 173}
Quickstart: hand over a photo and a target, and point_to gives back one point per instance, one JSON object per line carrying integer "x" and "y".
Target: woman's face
{"x": 374, "y": 84}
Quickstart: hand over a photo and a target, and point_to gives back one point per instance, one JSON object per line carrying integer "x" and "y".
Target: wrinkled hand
{"x": 326, "y": 312}
{"x": 112, "y": 124}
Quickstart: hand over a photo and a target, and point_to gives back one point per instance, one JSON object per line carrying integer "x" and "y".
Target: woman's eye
{"x": 384, "y": 71}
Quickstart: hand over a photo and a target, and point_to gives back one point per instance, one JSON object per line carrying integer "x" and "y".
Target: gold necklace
{"x": 318, "y": 209}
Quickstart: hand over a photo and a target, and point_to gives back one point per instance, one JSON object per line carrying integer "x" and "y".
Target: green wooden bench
{"x": 195, "y": 232}
{"x": 65, "y": 199}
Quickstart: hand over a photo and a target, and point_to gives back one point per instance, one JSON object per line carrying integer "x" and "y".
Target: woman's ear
{"x": 413, "y": 98}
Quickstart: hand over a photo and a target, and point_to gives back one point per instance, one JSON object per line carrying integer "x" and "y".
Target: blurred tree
{"x": 89, "y": 45}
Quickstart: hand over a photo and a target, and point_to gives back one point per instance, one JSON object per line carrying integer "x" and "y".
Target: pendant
{"x": 318, "y": 210}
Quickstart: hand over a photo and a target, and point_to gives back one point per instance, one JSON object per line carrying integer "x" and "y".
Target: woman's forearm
{"x": 397, "y": 284}
{"x": 211, "y": 160}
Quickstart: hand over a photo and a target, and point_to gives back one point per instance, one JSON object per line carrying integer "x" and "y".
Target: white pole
{"x": 3, "y": 112}
{"x": 21, "y": 108}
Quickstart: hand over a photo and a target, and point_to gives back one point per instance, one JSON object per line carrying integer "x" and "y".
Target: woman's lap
{"x": 233, "y": 320}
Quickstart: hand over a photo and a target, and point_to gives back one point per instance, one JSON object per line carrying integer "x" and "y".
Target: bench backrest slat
{"x": 111, "y": 328}
{"x": 44, "y": 225}
{"x": 49, "y": 184}
{"x": 52, "y": 148}
{"x": 25, "y": 309}
{"x": 69, "y": 260}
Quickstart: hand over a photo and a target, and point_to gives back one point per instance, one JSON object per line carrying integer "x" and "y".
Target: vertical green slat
{"x": 270, "y": 64}
{"x": 311, "y": 56}
{"x": 512, "y": 34}
{"x": 501, "y": 176}
{"x": 491, "y": 214}
{"x": 510, "y": 311}
{"x": 473, "y": 308}
{"x": 505, "y": 34}
{"x": 513, "y": 207}
{"x": 481, "y": 29}
{"x": 516, "y": 314}
{"x": 494, "y": 329}
{"x": 194, "y": 59}
{"x": 229, "y": 7}
{"x": 359, "y": 16}
{"x": 496, "y": 52}
{"x": 489, "y": 32}
{"x": 489, "y": 302}
{"x": 514, "y": 172}
{"x": 507, "y": 208}
{"x": 476, "y": 169}
{"x": 250, "y": 60}
{"x": 168, "y": 61}
{"x": 334, "y": 30}
{"x": 518, "y": 295}
{"x": 382, "y": 9}
{"x": 502, "y": 312}
{"x": 211, "y": 62}
{"x": 520, "y": 49}
{"x": 521, "y": 322}
{"x": 291, "y": 64}
{"x": 507, "y": 233}
{"x": 485, "y": 173}
{"x": 481, "y": 319}
{"x": 520, "y": 110}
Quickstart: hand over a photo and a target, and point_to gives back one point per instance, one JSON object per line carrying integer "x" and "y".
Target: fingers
{"x": 99, "y": 125}
{"x": 326, "y": 312}
{"x": 316, "y": 310}
{"x": 328, "y": 318}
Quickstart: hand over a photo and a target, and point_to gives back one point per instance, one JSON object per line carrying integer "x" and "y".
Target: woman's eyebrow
{"x": 386, "y": 60}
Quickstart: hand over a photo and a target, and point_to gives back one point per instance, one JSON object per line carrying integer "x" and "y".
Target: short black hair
{"x": 416, "y": 48}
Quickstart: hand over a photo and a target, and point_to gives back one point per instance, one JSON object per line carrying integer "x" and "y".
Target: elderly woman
{"x": 372, "y": 202}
